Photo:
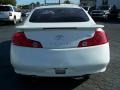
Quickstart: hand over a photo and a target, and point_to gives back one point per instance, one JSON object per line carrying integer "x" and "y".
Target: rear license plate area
{"x": 60, "y": 71}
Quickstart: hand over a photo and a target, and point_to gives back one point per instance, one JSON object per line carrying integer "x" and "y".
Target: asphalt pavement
{"x": 109, "y": 80}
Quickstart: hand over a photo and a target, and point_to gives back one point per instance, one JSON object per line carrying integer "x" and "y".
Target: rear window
{"x": 5, "y": 8}
{"x": 59, "y": 15}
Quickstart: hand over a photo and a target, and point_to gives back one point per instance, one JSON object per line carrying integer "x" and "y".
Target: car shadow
{"x": 9, "y": 80}
{"x": 40, "y": 83}
{"x": 5, "y": 24}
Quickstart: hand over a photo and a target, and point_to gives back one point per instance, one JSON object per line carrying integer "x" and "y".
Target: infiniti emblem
{"x": 59, "y": 37}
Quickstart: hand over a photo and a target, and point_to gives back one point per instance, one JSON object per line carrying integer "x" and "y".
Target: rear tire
{"x": 22, "y": 77}
{"x": 14, "y": 21}
{"x": 86, "y": 76}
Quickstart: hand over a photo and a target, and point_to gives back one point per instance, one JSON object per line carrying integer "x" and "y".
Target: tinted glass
{"x": 5, "y": 8}
{"x": 59, "y": 15}
{"x": 103, "y": 8}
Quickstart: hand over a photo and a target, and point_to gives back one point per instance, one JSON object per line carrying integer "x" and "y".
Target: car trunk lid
{"x": 59, "y": 37}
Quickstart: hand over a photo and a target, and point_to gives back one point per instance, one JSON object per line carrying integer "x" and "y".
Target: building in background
{"x": 88, "y": 2}
{"x": 108, "y": 2}
{"x": 100, "y": 3}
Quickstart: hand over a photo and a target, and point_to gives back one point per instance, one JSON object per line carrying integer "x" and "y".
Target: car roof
{"x": 60, "y": 6}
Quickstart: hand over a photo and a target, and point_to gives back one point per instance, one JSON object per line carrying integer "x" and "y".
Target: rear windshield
{"x": 59, "y": 15}
{"x": 5, "y": 8}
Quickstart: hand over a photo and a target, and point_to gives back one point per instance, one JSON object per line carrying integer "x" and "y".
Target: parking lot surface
{"x": 109, "y": 80}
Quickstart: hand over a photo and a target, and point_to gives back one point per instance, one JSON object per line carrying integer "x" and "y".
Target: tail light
{"x": 20, "y": 39}
{"x": 10, "y": 14}
{"x": 99, "y": 38}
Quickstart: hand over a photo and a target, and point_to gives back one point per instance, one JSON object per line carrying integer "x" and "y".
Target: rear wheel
{"x": 22, "y": 77}
{"x": 14, "y": 21}
{"x": 86, "y": 76}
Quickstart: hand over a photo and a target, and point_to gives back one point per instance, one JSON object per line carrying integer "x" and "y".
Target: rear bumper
{"x": 7, "y": 19}
{"x": 75, "y": 61}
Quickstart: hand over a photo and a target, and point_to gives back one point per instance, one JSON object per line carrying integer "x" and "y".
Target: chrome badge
{"x": 59, "y": 37}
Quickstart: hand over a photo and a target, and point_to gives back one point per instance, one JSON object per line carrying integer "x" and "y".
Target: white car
{"x": 9, "y": 13}
{"x": 59, "y": 41}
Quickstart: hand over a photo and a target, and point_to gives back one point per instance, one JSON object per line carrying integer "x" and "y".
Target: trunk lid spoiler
{"x": 24, "y": 28}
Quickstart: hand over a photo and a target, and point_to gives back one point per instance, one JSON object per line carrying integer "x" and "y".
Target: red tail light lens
{"x": 20, "y": 39}
{"x": 99, "y": 38}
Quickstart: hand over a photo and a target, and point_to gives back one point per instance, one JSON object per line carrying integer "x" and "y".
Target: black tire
{"x": 86, "y": 76}
{"x": 22, "y": 77}
{"x": 14, "y": 22}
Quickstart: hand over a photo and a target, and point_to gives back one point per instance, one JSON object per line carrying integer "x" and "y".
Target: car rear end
{"x": 97, "y": 14}
{"x": 102, "y": 12}
{"x": 6, "y": 13}
{"x": 51, "y": 45}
